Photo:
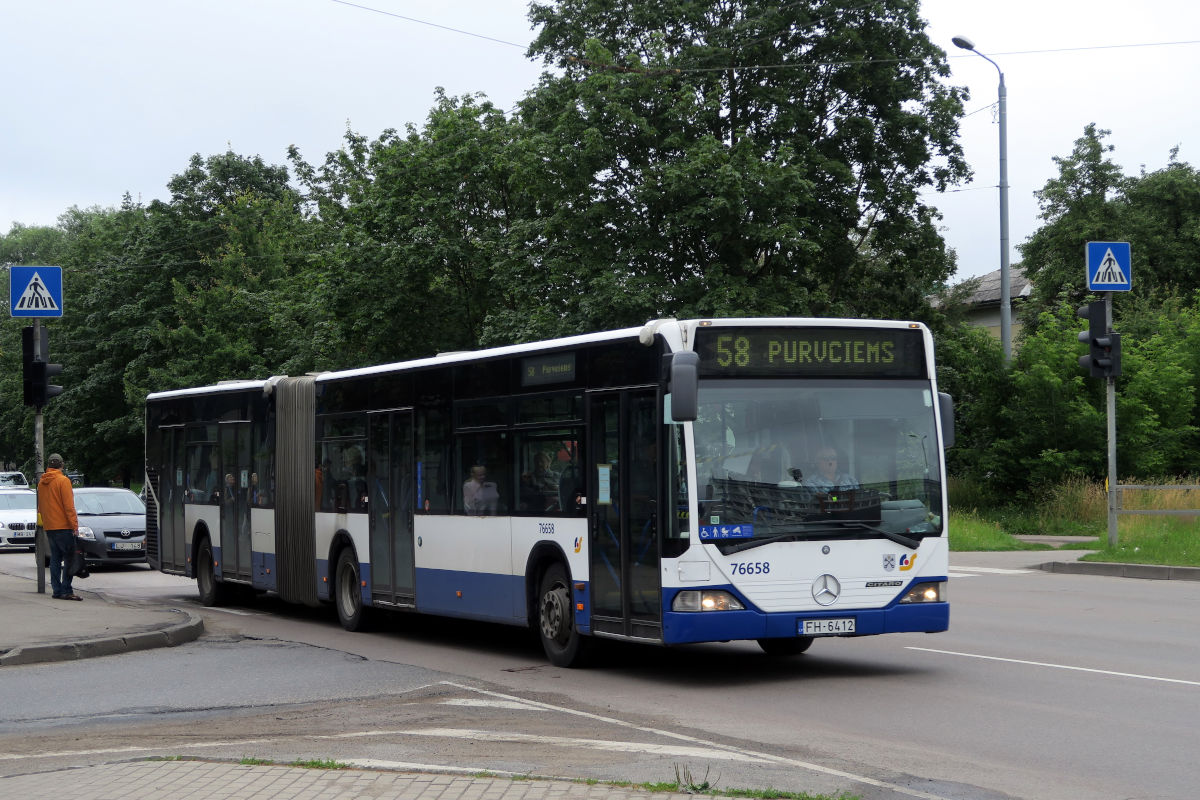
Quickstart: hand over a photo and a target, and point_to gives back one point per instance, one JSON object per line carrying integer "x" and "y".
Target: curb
{"x": 1118, "y": 570}
{"x": 170, "y": 635}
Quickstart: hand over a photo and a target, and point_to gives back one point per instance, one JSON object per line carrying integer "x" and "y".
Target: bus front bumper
{"x": 710, "y": 626}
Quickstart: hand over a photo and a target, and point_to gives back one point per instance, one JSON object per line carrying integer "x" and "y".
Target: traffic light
{"x": 1104, "y": 346}
{"x": 37, "y": 373}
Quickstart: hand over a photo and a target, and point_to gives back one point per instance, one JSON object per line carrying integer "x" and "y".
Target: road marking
{"x": 1059, "y": 666}
{"x": 590, "y": 744}
{"x": 478, "y": 703}
{"x": 231, "y": 611}
{"x": 960, "y": 575}
{"x": 711, "y": 746}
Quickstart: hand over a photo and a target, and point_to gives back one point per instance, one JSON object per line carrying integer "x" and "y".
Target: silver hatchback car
{"x": 112, "y": 525}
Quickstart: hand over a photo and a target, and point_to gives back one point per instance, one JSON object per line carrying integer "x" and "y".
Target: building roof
{"x": 986, "y": 288}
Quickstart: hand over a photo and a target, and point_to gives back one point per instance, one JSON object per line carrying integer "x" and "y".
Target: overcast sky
{"x": 106, "y": 98}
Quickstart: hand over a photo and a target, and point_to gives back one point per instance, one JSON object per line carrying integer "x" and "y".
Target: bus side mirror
{"x": 685, "y": 386}
{"x": 946, "y": 407}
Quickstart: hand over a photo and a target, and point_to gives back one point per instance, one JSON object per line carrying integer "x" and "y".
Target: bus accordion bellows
{"x": 774, "y": 480}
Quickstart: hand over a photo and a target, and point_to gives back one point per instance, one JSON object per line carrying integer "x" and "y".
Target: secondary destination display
{"x": 556, "y": 368}
{"x": 811, "y": 352}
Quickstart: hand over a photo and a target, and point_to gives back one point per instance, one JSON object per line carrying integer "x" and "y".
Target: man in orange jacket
{"x": 56, "y": 507}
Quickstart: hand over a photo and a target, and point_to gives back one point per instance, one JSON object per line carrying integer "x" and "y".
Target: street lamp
{"x": 1005, "y": 298}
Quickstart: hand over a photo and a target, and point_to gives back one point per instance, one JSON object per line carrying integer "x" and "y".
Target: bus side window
{"x": 485, "y": 467}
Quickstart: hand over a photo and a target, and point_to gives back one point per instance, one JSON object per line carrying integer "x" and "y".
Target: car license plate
{"x": 827, "y": 627}
{"x": 22, "y": 534}
{"x": 126, "y": 545}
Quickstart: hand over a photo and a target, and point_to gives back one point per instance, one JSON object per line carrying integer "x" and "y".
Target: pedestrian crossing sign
{"x": 35, "y": 291}
{"x": 1109, "y": 267}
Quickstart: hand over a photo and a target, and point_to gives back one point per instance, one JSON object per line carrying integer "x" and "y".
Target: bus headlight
{"x": 934, "y": 592}
{"x": 707, "y": 600}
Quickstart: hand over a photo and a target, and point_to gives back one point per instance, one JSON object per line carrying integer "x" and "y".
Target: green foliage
{"x": 701, "y": 181}
{"x": 970, "y": 531}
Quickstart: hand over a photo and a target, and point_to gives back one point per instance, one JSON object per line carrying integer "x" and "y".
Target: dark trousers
{"x": 62, "y": 547}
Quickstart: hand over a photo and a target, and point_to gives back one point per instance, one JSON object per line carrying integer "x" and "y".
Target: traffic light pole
{"x": 1111, "y": 402}
{"x": 41, "y": 547}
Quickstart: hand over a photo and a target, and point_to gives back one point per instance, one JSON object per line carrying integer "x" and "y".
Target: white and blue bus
{"x": 773, "y": 480}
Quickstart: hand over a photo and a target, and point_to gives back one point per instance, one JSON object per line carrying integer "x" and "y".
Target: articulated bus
{"x": 774, "y": 480}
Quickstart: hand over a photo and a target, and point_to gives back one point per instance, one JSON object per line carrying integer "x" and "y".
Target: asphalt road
{"x": 1047, "y": 686}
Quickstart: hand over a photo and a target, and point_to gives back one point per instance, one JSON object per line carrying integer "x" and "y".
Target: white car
{"x": 18, "y": 519}
{"x": 13, "y": 479}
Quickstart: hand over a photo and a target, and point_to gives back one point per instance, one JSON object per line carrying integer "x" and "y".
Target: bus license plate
{"x": 827, "y": 627}
{"x": 126, "y": 545}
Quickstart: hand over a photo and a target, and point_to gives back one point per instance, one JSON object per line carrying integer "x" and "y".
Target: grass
{"x": 315, "y": 763}
{"x": 1152, "y": 540}
{"x": 1080, "y": 508}
{"x": 970, "y": 530}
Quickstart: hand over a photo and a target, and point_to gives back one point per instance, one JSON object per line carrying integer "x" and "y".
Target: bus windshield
{"x": 802, "y": 460}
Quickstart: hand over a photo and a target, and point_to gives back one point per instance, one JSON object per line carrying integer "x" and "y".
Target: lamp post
{"x": 1005, "y": 296}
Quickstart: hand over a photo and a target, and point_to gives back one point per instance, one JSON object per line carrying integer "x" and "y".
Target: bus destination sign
{"x": 811, "y": 352}
{"x": 541, "y": 370}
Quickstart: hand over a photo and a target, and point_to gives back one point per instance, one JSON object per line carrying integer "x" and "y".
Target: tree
{"x": 740, "y": 157}
{"x": 425, "y": 244}
{"x": 1077, "y": 207}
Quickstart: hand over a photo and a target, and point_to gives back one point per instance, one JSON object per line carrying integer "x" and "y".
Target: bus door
{"x": 233, "y": 485}
{"x": 623, "y": 503}
{"x": 391, "y": 489}
{"x": 172, "y": 553}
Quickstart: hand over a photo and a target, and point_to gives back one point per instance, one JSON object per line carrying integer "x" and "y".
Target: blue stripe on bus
{"x": 484, "y": 596}
{"x": 324, "y": 585}
{"x": 680, "y": 627}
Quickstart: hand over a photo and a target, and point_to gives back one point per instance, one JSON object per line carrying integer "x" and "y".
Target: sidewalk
{"x": 197, "y": 780}
{"x": 37, "y": 628}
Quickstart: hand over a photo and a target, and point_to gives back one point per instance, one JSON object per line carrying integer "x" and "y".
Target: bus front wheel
{"x": 785, "y": 647}
{"x": 563, "y": 644}
{"x": 212, "y": 592}
{"x": 348, "y": 594}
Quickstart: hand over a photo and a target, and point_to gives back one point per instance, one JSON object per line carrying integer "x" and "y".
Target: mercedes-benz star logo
{"x": 826, "y": 590}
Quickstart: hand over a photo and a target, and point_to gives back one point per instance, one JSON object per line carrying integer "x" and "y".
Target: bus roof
{"x": 551, "y": 344}
{"x": 226, "y": 386}
{"x": 471, "y": 355}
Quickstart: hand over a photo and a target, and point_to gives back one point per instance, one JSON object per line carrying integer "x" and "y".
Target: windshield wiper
{"x": 750, "y": 544}
{"x": 826, "y": 527}
{"x": 898, "y": 538}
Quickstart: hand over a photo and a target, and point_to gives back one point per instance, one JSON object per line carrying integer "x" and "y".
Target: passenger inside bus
{"x": 480, "y": 495}
{"x": 539, "y": 486}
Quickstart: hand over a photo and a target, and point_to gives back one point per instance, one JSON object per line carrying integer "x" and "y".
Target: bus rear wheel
{"x": 785, "y": 647}
{"x": 556, "y": 623}
{"x": 347, "y": 592}
{"x": 212, "y": 592}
